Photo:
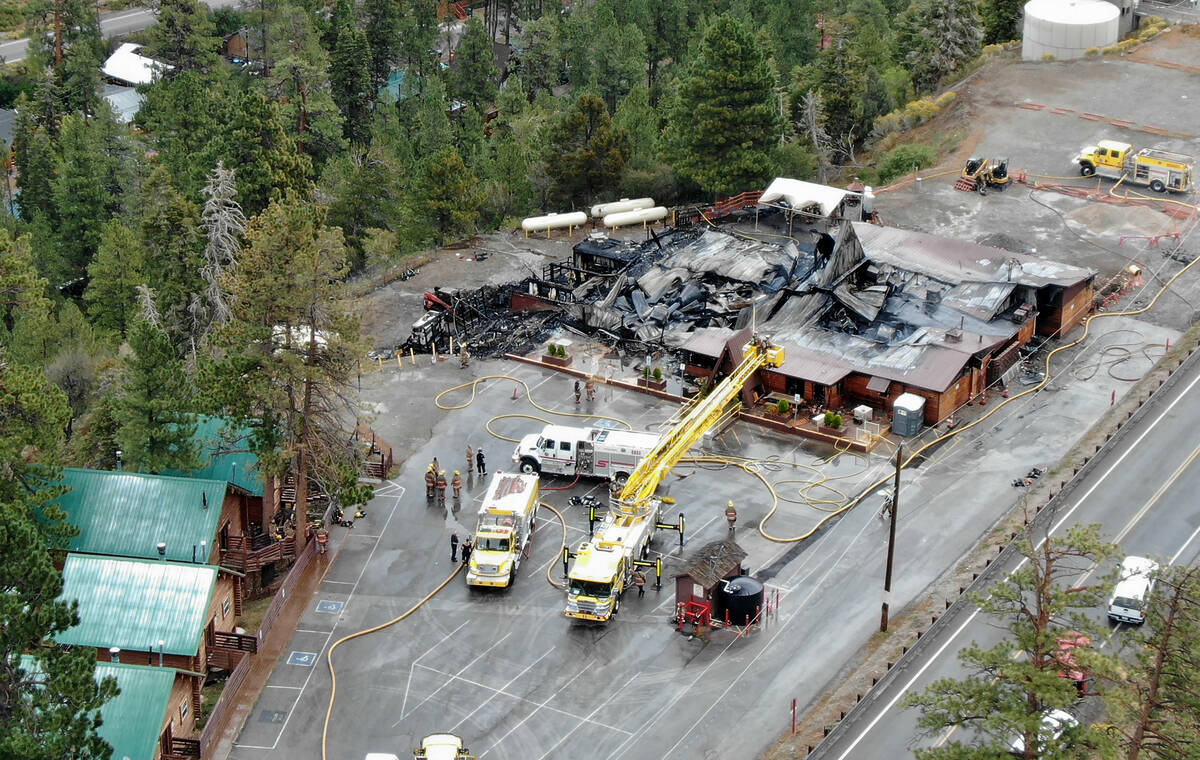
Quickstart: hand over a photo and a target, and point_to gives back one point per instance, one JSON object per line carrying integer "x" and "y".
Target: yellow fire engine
{"x": 1159, "y": 170}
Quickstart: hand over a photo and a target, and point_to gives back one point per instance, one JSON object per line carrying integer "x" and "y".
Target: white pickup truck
{"x": 597, "y": 452}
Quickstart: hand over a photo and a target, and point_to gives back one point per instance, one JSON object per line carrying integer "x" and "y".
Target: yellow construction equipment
{"x": 982, "y": 173}
{"x": 1159, "y": 170}
{"x": 604, "y": 565}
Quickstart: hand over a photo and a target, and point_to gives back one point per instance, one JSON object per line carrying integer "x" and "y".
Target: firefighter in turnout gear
{"x": 440, "y": 481}
{"x": 456, "y": 484}
{"x": 430, "y": 480}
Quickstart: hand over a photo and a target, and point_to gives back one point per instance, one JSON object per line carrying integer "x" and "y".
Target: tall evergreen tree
{"x": 448, "y": 196}
{"x": 185, "y": 118}
{"x": 1011, "y": 684}
{"x": 49, "y": 698}
{"x": 936, "y": 37}
{"x": 726, "y": 123}
{"x": 82, "y": 201}
{"x": 183, "y": 37}
{"x": 299, "y": 82}
{"x": 384, "y": 22}
{"x": 433, "y": 130}
{"x": 417, "y": 42}
{"x": 35, "y": 157}
{"x": 284, "y": 359}
{"x": 65, "y": 41}
{"x": 585, "y": 154}
{"x": 113, "y": 276}
{"x": 24, "y": 306}
{"x": 156, "y": 426}
{"x": 268, "y": 164}
{"x": 1001, "y": 20}
{"x": 474, "y": 76}
{"x": 171, "y": 242}
{"x": 841, "y": 81}
{"x": 350, "y": 79}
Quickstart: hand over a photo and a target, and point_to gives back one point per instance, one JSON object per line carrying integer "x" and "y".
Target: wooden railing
{"x": 249, "y": 553}
{"x": 235, "y": 641}
{"x": 224, "y": 703}
{"x": 189, "y": 748}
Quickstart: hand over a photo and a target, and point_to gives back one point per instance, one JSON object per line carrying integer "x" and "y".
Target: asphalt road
{"x": 112, "y": 24}
{"x": 1142, "y": 490}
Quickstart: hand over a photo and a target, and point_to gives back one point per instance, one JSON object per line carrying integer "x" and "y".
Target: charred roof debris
{"x": 851, "y": 296}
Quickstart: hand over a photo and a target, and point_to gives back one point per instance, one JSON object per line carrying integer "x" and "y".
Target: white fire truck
{"x": 503, "y": 530}
{"x": 563, "y": 450}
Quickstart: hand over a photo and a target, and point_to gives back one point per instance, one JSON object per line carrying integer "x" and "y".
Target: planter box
{"x": 832, "y": 430}
{"x": 657, "y": 385}
{"x": 557, "y": 361}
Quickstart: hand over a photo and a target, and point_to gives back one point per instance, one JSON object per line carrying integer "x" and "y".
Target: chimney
{"x": 203, "y": 552}
{"x": 162, "y": 549}
{"x": 114, "y": 654}
{"x": 204, "y": 499}
{"x": 162, "y": 645}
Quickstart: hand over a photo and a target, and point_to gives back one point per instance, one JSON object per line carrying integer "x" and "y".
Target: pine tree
{"x": 727, "y": 123}
{"x": 224, "y": 225}
{"x": 81, "y": 199}
{"x": 638, "y": 118}
{"x": 433, "y": 130}
{"x": 154, "y": 411}
{"x": 50, "y": 699}
{"x": 1010, "y": 685}
{"x": 1001, "y": 20}
{"x": 24, "y": 307}
{"x": 448, "y": 197}
{"x": 283, "y": 362}
{"x": 350, "y": 80}
{"x": 113, "y": 276}
{"x": 299, "y": 82}
{"x": 384, "y": 21}
{"x": 585, "y": 154}
{"x": 35, "y": 156}
{"x": 268, "y": 164}
{"x": 94, "y": 444}
{"x": 171, "y": 242}
{"x": 65, "y": 41}
{"x": 183, "y": 37}
{"x": 936, "y": 37}
{"x": 841, "y": 81}
{"x": 185, "y": 118}
{"x": 417, "y": 43}
{"x": 475, "y": 74}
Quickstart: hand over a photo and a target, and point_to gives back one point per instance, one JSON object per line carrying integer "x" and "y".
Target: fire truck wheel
{"x": 1157, "y": 186}
{"x": 1087, "y": 170}
{"x": 616, "y": 605}
{"x": 529, "y": 467}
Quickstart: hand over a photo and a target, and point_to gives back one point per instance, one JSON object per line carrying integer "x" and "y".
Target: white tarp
{"x": 127, "y": 66}
{"x": 799, "y": 194}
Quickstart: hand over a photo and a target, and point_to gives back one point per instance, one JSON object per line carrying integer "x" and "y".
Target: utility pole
{"x": 887, "y": 576}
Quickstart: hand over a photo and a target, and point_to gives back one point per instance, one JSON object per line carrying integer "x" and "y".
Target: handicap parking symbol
{"x": 332, "y": 608}
{"x": 305, "y": 659}
{"x": 605, "y": 423}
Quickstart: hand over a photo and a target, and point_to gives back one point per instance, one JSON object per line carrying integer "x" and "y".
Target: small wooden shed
{"x": 695, "y": 587}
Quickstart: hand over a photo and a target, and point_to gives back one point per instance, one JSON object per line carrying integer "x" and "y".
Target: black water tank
{"x": 742, "y": 598}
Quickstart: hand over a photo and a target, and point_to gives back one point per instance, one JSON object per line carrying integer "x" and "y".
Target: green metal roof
{"x": 133, "y": 718}
{"x": 135, "y": 603}
{"x": 225, "y": 454}
{"x": 126, "y": 514}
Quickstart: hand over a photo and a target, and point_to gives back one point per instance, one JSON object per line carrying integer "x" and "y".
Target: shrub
{"x": 1109, "y": 50}
{"x": 1049, "y": 57}
{"x": 833, "y": 420}
{"x": 1125, "y": 45}
{"x": 646, "y": 373}
{"x": 1092, "y": 51}
{"x": 783, "y": 407}
{"x": 945, "y": 99}
{"x": 901, "y": 160}
{"x": 657, "y": 373}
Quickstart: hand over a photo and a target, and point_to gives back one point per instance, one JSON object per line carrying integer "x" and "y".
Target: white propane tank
{"x": 601, "y": 210}
{"x": 554, "y": 221}
{"x": 868, "y": 200}
{"x": 641, "y": 216}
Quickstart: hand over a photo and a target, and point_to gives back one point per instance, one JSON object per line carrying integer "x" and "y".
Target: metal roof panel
{"x": 225, "y": 452}
{"x": 126, "y": 514}
{"x": 135, "y": 603}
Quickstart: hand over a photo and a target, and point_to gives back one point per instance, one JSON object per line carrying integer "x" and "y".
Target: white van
{"x": 1129, "y": 597}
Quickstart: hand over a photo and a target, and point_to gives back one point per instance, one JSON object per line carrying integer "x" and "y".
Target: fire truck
{"x": 599, "y": 452}
{"x": 503, "y": 529}
{"x": 604, "y": 565}
{"x": 433, "y": 747}
{"x": 1159, "y": 170}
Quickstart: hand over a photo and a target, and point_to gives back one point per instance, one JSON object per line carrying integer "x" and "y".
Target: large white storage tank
{"x": 1066, "y": 28}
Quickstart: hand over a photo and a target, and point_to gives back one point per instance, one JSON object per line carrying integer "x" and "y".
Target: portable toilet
{"x": 908, "y": 414}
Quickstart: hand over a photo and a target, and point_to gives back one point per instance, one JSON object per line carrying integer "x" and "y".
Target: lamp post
{"x": 887, "y": 576}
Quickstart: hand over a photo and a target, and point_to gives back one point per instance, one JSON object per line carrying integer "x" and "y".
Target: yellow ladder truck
{"x": 1159, "y": 170}
{"x": 503, "y": 529}
{"x": 604, "y": 564}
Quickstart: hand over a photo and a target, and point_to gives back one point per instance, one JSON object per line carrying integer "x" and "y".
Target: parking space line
{"x": 477, "y": 658}
{"x": 588, "y": 719}
{"x": 519, "y": 698}
{"x": 273, "y": 686}
{"x": 427, "y": 651}
{"x": 521, "y": 722}
{"x": 309, "y": 630}
{"x": 514, "y": 679}
{"x": 1191, "y": 538}
{"x": 342, "y": 583}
